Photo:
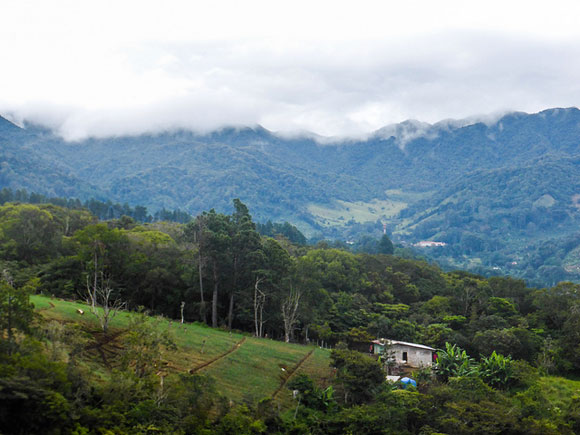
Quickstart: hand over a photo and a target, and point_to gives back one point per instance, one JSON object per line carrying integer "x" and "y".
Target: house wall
{"x": 416, "y": 357}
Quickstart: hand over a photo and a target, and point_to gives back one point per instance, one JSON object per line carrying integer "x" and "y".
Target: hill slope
{"x": 243, "y": 367}
{"x": 515, "y": 176}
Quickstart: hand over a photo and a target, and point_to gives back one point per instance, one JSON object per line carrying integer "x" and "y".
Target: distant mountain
{"x": 23, "y": 167}
{"x": 482, "y": 187}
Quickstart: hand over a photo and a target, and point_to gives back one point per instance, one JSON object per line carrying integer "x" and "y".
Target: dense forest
{"x": 503, "y": 195}
{"x": 500, "y": 343}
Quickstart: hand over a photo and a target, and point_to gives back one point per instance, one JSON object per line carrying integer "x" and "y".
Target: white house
{"x": 429, "y": 244}
{"x": 404, "y": 353}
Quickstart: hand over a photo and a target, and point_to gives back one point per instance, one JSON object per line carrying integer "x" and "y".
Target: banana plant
{"x": 496, "y": 370}
{"x": 454, "y": 361}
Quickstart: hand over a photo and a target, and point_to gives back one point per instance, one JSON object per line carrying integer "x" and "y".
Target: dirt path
{"x": 217, "y": 358}
{"x": 291, "y": 373}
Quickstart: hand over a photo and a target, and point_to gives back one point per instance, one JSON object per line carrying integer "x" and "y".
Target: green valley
{"x": 488, "y": 190}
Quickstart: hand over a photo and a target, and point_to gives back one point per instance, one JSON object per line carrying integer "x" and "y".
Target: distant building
{"x": 429, "y": 244}
{"x": 404, "y": 353}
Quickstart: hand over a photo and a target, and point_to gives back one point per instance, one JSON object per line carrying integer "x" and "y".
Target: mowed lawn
{"x": 244, "y": 367}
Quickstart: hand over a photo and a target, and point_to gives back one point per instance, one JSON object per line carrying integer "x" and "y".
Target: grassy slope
{"x": 559, "y": 390}
{"x": 244, "y": 367}
{"x": 341, "y": 212}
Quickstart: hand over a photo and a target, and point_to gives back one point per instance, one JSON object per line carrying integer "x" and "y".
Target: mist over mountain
{"x": 484, "y": 188}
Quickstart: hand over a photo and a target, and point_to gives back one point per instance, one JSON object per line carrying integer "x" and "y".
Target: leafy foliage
{"x": 345, "y": 296}
{"x": 361, "y": 377}
{"x": 502, "y": 195}
{"x": 496, "y": 370}
{"x": 16, "y": 311}
{"x": 454, "y": 362}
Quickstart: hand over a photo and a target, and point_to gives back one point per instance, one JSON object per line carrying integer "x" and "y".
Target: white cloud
{"x": 334, "y": 68}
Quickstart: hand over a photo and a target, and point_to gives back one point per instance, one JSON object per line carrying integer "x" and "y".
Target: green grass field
{"x": 341, "y": 212}
{"x": 244, "y": 367}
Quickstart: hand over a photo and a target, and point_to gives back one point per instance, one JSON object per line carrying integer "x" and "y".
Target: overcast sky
{"x": 330, "y": 67}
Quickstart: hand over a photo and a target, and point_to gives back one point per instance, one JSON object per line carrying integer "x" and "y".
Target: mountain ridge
{"x": 377, "y": 162}
{"x": 474, "y": 179}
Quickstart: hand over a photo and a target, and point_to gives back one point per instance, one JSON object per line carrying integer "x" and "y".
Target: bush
{"x": 360, "y": 376}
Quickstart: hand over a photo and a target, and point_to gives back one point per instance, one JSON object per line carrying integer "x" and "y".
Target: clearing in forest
{"x": 243, "y": 367}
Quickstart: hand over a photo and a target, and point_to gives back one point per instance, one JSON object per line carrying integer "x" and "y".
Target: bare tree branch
{"x": 290, "y": 311}
{"x": 104, "y": 304}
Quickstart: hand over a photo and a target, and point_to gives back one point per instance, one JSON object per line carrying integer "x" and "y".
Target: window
{"x": 404, "y": 356}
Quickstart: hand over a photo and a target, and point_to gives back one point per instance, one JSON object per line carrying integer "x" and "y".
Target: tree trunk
{"x": 10, "y": 334}
{"x": 231, "y": 311}
{"x": 259, "y": 300}
{"x": 214, "y": 302}
{"x": 232, "y": 291}
{"x": 261, "y": 331}
{"x": 256, "y": 308}
{"x": 290, "y": 312}
{"x": 95, "y": 280}
{"x": 234, "y": 285}
{"x": 202, "y": 306}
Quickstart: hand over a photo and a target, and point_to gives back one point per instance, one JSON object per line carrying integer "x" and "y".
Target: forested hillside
{"x": 227, "y": 274}
{"x": 522, "y": 221}
{"x": 217, "y": 270}
{"x": 500, "y": 194}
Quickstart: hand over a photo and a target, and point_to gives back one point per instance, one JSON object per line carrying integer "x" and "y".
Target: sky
{"x": 334, "y": 68}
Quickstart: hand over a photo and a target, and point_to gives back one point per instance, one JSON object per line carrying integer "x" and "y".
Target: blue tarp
{"x": 408, "y": 381}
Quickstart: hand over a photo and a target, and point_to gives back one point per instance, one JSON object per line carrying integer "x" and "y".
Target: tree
{"x": 571, "y": 336}
{"x": 503, "y": 341}
{"x": 385, "y": 245}
{"x": 145, "y": 344}
{"x": 259, "y": 302}
{"x": 361, "y": 376}
{"x": 16, "y": 311}
{"x": 388, "y": 358}
{"x": 335, "y": 269}
{"x": 216, "y": 243}
{"x": 28, "y": 233}
{"x": 103, "y": 251}
{"x": 153, "y": 271}
{"x": 193, "y": 233}
{"x": 245, "y": 251}
{"x": 104, "y": 301}
{"x": 271, "y": 279}
{"x": 554, "y": 304}
{"x": 501, "y": 307}
{"x": 469, "y": 289}
{"x": 290, "y": 311}
{"x": 309, "y": 394}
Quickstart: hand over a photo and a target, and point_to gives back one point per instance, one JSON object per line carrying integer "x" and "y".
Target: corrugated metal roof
{"x": 404, "y": 343}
